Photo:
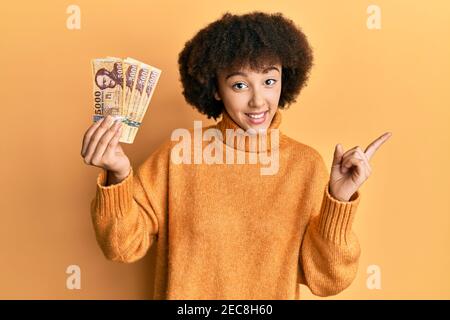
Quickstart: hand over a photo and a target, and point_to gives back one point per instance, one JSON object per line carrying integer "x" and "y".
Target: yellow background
{"x": 364, "y": 83}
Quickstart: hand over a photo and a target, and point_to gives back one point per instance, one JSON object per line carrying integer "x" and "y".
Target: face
{"x": 104, "y": 81}
{"x": 251, "y": 98}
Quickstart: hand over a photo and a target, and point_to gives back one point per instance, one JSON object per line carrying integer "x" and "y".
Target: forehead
{"x": 103, "y": 76}
{"x": 247, "y": 70}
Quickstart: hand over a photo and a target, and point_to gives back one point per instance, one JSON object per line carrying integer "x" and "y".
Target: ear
{"x": 216, "y": 95}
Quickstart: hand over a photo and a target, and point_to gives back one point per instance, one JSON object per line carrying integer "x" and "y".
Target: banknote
{"x": 137, "y": 93}
{"x": 145, "y": 100}
{"x": 130, "y": 71}
{"x": 108, "y": 87}
{"x": 123, "y": 89}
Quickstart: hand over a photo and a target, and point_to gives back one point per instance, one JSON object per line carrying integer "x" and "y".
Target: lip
{"x": 257, "y": 121}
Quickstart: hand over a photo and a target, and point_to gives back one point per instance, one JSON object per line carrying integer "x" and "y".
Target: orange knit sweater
{"x": 224, "y": 231}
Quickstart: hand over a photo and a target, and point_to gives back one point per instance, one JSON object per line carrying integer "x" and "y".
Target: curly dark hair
{"x": 234, "y": 41}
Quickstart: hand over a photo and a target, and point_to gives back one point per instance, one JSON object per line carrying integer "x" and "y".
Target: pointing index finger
{"x": 371, "y": 148}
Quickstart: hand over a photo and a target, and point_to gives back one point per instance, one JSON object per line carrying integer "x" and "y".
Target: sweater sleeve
{"x": 126, "y": 216}
{"x": 330, "y": 250}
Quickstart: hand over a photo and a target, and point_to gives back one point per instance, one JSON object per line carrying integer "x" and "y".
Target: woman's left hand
{"x": 350, "y": 169}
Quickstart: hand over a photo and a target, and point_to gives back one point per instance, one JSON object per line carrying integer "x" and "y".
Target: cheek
{"x": 275, "y": 94}
{"x": 235, "y": 101}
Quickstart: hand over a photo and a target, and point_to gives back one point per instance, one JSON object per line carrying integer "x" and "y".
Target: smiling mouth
{"x": 257, "y": 118}
{"x": 256, "y": 115}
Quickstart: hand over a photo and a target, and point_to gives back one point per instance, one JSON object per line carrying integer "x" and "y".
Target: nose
{"x": 257, "y": 100}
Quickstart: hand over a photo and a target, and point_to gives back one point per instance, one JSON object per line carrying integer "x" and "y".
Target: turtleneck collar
{"x": 260, "y": 142}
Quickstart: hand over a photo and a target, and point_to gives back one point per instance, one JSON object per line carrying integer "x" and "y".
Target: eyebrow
{"x": 237, "y": 73}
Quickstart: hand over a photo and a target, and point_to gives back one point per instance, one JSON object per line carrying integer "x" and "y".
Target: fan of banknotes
{"x": 123, "y": 89}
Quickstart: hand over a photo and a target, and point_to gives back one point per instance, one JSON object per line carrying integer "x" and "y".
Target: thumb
{"x": 338, "y": 153}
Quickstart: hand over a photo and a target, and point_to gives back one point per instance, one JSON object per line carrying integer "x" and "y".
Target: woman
{"x": 223, "y": 230}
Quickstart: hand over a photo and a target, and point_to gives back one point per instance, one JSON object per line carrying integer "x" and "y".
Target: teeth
{"x": 256, "y": 116}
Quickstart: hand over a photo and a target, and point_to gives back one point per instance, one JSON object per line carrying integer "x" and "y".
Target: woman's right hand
{"x": 101, "y": 148}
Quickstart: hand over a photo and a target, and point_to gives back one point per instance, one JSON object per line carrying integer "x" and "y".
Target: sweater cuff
{"x": 115, "y": 199}
{"x": 336, "y": 217}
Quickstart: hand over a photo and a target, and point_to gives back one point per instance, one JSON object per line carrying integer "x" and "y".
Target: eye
{"x": 274, "y": 81}
{"x": 237, "y": 84}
